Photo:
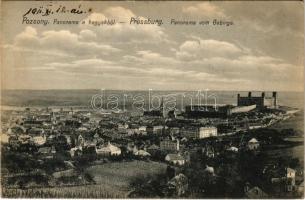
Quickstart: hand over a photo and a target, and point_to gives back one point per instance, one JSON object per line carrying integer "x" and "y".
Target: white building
{"x": 142, "y": 153}
{"x": 176, "y": 159}
{"x": 39, "y": 140}
{"x": 109, "y": 150}
{"x": 142, "y": 129}
{"x": 205, "y": 132}
{"x": 253, "y": 144}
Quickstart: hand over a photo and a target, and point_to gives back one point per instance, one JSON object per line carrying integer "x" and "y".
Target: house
{"x": 16, "y": 130}
{"x": 13, "y": 140}
{"x": 189, "y": 132}
{"x": 179, "y": 183}
{"x": 290, "y": 173}
{"x": 76, "y": 151}
{"x": 209, "y": 170}
{"x": 122, "y": 127}
{"x": 232, "y": 149}
{"x": 290, "y": 179}
{"x": 174, "y": 130}
{"x": 142, "y": 153}
{"x": 153, "y": 149}
{"x": 47, "y": 152}
{"x": 176, "y": 159}
{"x": 205, "y": 132}
{"x": 169, "y": 145}
{"x": 24, "y": 139}
{"x": 154, "y": 129}
{"x": 253, "y": 144}
{"x": 35, "y": 131}
{"x": 39, "y": 140}
{"x": 80, "y": 140}
{"x": 109, "y": 150}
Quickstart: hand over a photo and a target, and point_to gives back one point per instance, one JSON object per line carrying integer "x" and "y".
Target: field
{"x": 112, "y": 181}
{"x": 116, "y": 177}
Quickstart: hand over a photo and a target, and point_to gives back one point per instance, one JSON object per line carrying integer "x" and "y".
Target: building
{"x": 261, "y": 102}
{"x": 207, "y": 111}
{"x": 189, "y": 132}
{"x": 109, "y": 150}
{"x": 153, "y": 113}
{"x": 290, "y": 177}
{"x": 142, "y": 129}
{"x": 242, "y": 109}
{"x": 76, "y": 151}
{"x": 175, "y": 159}
{"x": 39, "y": 140}
{"x": 205, "y": 132}
{"x": 170, "y": 145}
{"x": 47, "y": 152}
{"x": 142, "y": 153}
{"x": 153, "y": 149}
{"x": 154, "y": 129}
{"x": 174, "y": 131}
{"x": 253, "y": 144}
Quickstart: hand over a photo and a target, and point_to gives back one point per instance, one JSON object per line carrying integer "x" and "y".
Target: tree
{"x": 170, "y": 172}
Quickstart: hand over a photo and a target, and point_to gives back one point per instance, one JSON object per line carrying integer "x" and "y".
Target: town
{"x": 203, "y": 151}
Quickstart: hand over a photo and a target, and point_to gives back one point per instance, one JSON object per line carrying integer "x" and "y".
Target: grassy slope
{"x": 117, "y": 176}
{"x": 112, "y": 181}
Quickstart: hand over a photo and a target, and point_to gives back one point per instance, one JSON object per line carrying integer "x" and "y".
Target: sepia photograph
{"x": 152, "y": 99}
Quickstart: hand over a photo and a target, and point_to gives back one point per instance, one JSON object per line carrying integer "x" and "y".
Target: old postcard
{"x": 152, "y": 99}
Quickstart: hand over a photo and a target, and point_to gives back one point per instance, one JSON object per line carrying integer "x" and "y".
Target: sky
{"x": 262, "y": 50}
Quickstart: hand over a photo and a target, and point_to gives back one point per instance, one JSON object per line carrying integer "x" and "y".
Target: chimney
{"x": 263, "y": 94}
{"x": 238, "y": 96}
{"x": 249, "y": 94}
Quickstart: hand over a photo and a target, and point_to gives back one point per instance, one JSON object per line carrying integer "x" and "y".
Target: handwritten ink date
{"x": 50, "y": 9}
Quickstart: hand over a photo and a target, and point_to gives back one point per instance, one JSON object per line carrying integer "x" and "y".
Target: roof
{"x": 44, "y": 149}
{"x": 153, "y": 147}
{"x": 142, "y": 153}
{"x": 253, "y": 140}
{"x": 208, "y": 128}
{"x": 235, "y": 149}
{"x": 290, "y": 170}
{"x": 113, "y": 148}
{"x": 175, "y": 157}
{"x": 209, "y": 169}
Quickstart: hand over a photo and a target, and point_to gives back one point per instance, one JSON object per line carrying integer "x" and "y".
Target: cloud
{"x": 204, "y": 9}
{"x": 149, "y": 58}
{"x": 123, "y": 32}
{"x": 61, "y": 42}
{"x": 194, "y": 49}
{"x": 99, "y": 67}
